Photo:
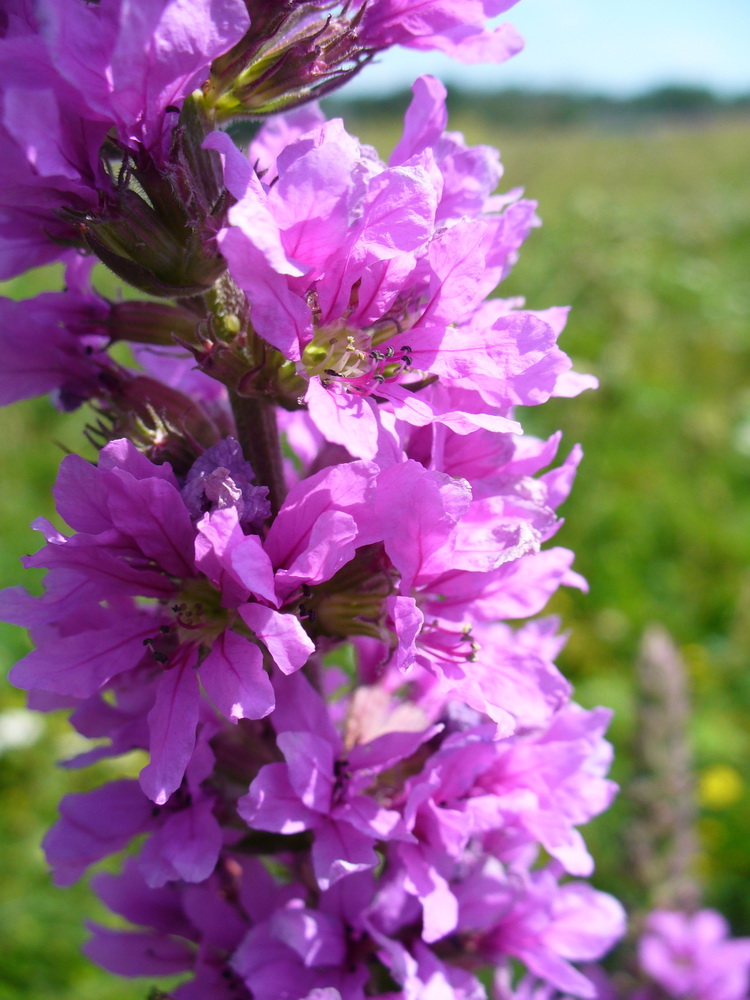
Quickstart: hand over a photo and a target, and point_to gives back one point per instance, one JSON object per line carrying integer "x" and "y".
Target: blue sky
{"x": 617, "y": 47}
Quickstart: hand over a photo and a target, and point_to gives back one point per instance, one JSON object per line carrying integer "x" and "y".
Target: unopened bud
{"x": 156, "y": 323}
{"x": 142, "y": 249}
{"x": 297, "y": 54}
{"x": 163, "y": 423}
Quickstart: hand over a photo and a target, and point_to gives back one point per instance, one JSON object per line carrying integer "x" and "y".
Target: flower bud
{"x": 291, "y": 55}
{"x": 352, "y": 602}
{"x": 155, "y": 323}
{"x": 157, "y": 229}
{"x": 143, "y": 249}
{"x": 163, "y": 423}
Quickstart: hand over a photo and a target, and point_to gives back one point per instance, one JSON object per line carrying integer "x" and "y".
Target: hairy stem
{"x": 258, "y": 435}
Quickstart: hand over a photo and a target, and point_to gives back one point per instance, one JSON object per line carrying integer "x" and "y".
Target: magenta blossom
{"x": 545, "y": 925}
{"x": 211, "y": 596}
{"x": 371, "y": 278}
{"x": 694, "y": 957}
{"x": 452, "y": 26}
{"x": 184, "y": 835}
{"x": 54, "y": 342}
{"x": 74, "y": 71}
{"x": 321, "y": 788}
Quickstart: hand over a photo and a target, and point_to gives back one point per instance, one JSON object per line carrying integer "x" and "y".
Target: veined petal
{"x": 235, "y": 680}
{"x": 339, "y": 850}
{"x": 273, "y": 804}
{"x": 82, "y": 663}
{"x": 286, "y": 640}
{"x": 310, "y": 762}
{"x": 172, "y": 723}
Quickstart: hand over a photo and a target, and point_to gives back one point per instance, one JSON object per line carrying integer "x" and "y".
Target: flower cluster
{"x": 680, "y": 956}
{"x": 693, "y": 956}
{"x": 301, "y": 580}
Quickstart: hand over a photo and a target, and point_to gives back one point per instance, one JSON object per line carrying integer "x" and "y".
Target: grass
{"x": 647, "y": 236}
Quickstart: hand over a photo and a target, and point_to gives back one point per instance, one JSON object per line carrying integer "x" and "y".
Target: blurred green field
{"x": 647, "y": 236}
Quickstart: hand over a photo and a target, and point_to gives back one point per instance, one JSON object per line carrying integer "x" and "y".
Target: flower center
{"x": 352, "y": 601}
{"x": 341, "y": 353}
{"x": 197, "y": 618}
{"x": 449, "y": 644}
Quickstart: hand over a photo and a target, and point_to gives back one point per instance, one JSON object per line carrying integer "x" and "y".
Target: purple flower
{"x": 420, "y": 972}
{"x": 95, "y": 824}
{"x": 183, "y": 928}
{"x": 184, "y": 836}
{"x": 502, "y": 797}
{"x": 213, "y": 605}
{"x": 50, "y": 153}
{"x": 543, "y": 924}
{"x": 128, "y": 66}
{"x": 548, "y": 783}
{"x": 221, "y": 478}
{"x": 322, "y": 789}
{"x": 452, "y": 26}
{"x": 464, "y": 564}
{"x": 56, "y": 342}
{"x": 694, "y": 956}
{"x": 303, "y": 49}
{"x": 371, "y": 278}
{"x": 72, "y": 71}
{"x": 361, "y": 780}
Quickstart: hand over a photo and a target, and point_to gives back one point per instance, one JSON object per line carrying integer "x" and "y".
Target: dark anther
{"x": 165, "y": 629}
{"x": 407, "y": 361}
{"x": 302, "y": 610}
{"x": 161, "y": 658}
{"x": 390, "y": 352}
{"x": 379, "y": 378}
{"x": 330, "y": 371}
{"x": 148, "y": 642}
{"x": 311, "y": 616}
{"x": 173, "y": 108}
{"x": 405, "y": 349}
{"x": 176, "y": 608}
{"x": 306, "y": 590}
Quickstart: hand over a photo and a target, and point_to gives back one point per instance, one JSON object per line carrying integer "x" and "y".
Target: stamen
{"x": 351, "y": 357}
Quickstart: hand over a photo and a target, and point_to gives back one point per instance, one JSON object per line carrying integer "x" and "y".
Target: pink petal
{"x": 172, "y": 723}
{"x": 287, "y": 642}
{"x": 234, "y": 679}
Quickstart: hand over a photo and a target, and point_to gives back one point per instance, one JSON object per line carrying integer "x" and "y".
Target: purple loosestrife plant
{"x": 360, "y": 778}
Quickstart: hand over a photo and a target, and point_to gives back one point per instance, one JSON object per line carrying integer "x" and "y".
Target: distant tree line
{"x": 529, "y": 109}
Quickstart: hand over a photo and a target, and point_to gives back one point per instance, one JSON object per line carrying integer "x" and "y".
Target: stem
{"x": 258, "y": 435}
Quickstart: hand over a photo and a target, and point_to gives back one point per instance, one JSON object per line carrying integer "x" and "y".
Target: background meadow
{"x": 646, "y": 235}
